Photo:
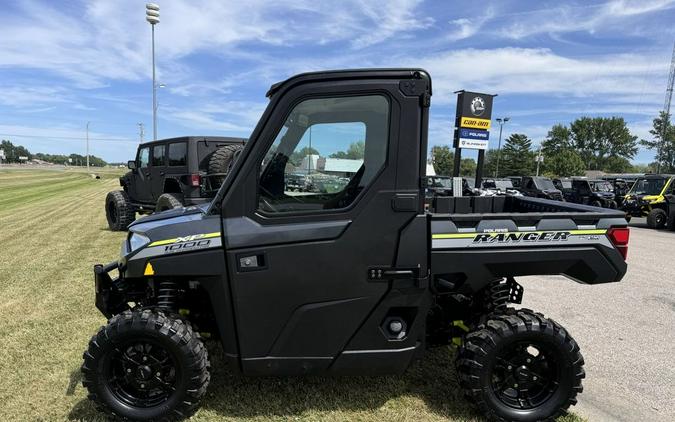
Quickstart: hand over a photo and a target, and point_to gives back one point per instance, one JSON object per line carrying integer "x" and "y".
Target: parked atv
{"x": 583, "y": 191}
{"x": 171, "y": 173}
{"x": 539, "y": 187}
{"x": 647, "y": 199}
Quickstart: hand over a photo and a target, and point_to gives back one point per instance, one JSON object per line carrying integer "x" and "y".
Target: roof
{"x": 385, "y": 73}
{"x": 342, "y": 165}
{"x": 223, "y": 139}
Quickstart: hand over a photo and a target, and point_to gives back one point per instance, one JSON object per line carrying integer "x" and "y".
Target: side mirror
{"x": 131, "y": 164}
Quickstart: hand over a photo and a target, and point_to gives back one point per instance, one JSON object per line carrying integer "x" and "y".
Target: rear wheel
{"x": 145, "y": 365}
{"x": 167, "y": 201}
{"x": 118, "y": 210}
{"x": 656, "y": 219}
{"x": 520, "y": 366}
{"x": 221, "y": 161}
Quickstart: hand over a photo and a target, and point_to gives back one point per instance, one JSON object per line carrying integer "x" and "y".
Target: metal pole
{"x": 538, "y": 159}
{"x": 88, "y": 146}
{"x": 499, "y": 148}
{"x": 141, "y": 131}
{"x": 154, "y": 89}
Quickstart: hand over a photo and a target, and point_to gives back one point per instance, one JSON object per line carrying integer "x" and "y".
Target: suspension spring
{"x": 167, "y": 296}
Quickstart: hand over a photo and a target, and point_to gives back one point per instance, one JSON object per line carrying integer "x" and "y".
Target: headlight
{"x": 137, "y": 241}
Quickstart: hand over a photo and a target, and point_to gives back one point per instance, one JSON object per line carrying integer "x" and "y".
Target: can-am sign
{"x": 474, "y": 116}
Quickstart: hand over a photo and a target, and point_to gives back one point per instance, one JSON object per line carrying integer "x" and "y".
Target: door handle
{"x": 251, "y": 261}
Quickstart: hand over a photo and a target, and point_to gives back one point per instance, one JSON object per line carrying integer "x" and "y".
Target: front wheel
{"x": 118, "y": 210}
{"x": 145, "y": 365}
{"x": 520, "y": 366}
{"x": 656, "y": 219}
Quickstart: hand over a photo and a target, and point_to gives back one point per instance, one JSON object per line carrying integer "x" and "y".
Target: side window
{"x": 328, "y": 151}
{"x": 158, "y": 157}
{"x": 143, "y": 157}
{"x": 178, "y": 154}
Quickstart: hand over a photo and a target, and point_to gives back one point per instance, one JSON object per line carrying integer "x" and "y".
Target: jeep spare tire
{"x": 167, "y": 201}
{"x": 118, "y": 210}
{"x": 221, "y": 162}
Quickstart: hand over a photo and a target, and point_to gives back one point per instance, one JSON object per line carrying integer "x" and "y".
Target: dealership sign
{"x": 474, "y": 116}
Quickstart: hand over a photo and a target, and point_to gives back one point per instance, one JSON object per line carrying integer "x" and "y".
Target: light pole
{"x": 501, "y": 121}
{"x": 88, "y": 146}
{"x": 152, "y": 16}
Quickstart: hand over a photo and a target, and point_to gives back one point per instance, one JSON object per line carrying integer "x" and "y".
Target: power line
{"x": 67, "y": 137}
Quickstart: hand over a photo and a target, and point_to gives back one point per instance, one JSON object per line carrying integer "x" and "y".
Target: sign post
{"x": 472, "y": 128}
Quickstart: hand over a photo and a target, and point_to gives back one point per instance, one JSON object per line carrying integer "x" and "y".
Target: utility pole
{"x": 501, "y": 121}
{"x": 141, "y": 131}
{"x": 539, "y": 159}
{"x": 88, "y": 146}
{"x": 152, "y": 16}
{"x": 666, "y": 109}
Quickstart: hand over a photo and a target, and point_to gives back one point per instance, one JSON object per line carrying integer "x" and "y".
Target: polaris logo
{"x": 521, "y": 237}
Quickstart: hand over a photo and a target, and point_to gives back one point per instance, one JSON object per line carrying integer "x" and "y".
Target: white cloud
{"x": 589, "y": 18}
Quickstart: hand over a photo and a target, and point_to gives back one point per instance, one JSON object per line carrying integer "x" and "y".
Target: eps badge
{"x": 477, "y": 106}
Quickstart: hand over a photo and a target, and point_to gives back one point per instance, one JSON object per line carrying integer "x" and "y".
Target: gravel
{"x": 626, "y": 331}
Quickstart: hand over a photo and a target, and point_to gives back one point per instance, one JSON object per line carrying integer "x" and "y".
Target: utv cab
{"x": 171, "y": 173}
{"x": 647, "y": 198}
{"x": 539, "y": 187}
{"x": 596, "y": 193}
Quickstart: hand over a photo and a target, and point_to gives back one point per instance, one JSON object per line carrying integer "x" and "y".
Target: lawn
{"x": 53, "y": 230}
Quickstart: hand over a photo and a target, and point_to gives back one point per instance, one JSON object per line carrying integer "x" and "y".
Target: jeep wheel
{"x": 596, "y": 204}
{"x": 167, "y": 201}
{"x": 145, "y": 365}
{"x": 221, "y": 161}
{"x": 118, "y": 210}
{"x": 656, "y": 219}
{"x": 520, "y": 367}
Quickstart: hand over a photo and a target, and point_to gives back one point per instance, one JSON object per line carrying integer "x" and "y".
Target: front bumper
{"x": 108, "y": 298}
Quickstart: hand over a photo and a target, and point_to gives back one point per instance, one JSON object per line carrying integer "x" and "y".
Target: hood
{"x": 176, "y": 212}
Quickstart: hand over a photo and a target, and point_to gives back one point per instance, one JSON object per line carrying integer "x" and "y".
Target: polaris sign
{"x": 473, "y": 138}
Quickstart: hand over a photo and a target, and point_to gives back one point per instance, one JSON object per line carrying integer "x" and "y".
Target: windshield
{"x": 544, "y": 183}
{"x": 648, "y": 187}
{"x": 440, "y": 182}
{"x": 503, "y": 184}
{"x": 602, "y": 186}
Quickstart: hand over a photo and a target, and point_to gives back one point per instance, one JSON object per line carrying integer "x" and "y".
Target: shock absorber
{"x": 502, "y": 292}
{"x": 167, "y": 296}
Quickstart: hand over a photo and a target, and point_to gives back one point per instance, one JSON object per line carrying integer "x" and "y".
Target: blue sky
{"x": 65, "y": 63}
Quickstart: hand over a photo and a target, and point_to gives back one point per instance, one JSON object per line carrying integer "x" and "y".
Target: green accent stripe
{"x": 472, "y": 235}
{"x": 175, "y": 239}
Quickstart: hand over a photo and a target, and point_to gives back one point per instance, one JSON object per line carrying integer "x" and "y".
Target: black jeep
{"x": 597, "y": 193}
{"x": 171, "y": 173}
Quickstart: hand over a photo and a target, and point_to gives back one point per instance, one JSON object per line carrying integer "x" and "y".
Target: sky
{"x": 66, "y": 63}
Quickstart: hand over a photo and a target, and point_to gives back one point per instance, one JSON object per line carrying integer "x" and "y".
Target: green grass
{"x": 53, "y": 231}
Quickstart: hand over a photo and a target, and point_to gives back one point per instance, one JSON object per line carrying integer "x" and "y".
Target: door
{"x": 306, "y": 266}
{"x": 158, "y": 170}
{"x": 141, "y": 189}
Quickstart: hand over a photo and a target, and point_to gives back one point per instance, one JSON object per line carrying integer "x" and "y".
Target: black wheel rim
{"x": 525, "y": 375}
{"x": 141, "y": 374}
{"x": 659, "y": 219}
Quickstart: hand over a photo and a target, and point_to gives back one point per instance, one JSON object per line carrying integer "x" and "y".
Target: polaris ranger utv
{"x": 596, "y": 193}
{"x": 171, "y": 173}
{"x": 359, "y": 281}
{"x": 539, "y": 187}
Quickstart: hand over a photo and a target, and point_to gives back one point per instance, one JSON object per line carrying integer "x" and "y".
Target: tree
{"x": 664, "y": 146}
{"x": 517, "y": 158}
{"x": 442, "y": 158}
{"x": 559, "y": 138}
{"x": 564, "y": 163}
{"x": 467, "y": 167}
{"x": 599, "y": 138}
{"x": 297, "y": 156}
{"x": 356, "y": 151}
